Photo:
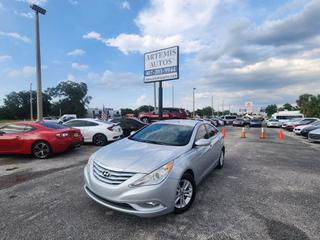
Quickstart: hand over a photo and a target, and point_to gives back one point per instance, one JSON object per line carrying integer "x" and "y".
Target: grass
{"x": 2, "y": 121}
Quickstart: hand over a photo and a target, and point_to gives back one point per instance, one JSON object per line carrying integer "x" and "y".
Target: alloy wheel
{"x": 184, "y": 193}
{"x": 41, "y": 150}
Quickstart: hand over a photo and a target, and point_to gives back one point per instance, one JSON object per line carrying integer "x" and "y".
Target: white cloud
{"x": 70, "y": 77}
{"x": 141, "y": 100}
{"x": 25, "y": 72}
{"x": 73, "y": 2}
{"x": 1, "y": 6}
{"x": 111, "y": 79}
{"x": 24, "y": 14}
{"x": 94, "y": 35}
{"x": 15, "y": 36}
{"x": 76, "y": 52}
{"x": 125, "y": 5}
{"x": 4, "y": 58}
{"x": 80, "y": 67}
{"x": 38, "y": 2}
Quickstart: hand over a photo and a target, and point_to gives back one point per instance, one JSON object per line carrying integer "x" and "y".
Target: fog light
{"x": 151, "y": 204}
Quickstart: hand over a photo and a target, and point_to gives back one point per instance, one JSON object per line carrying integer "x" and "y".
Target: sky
{"x": 235, "y": 51}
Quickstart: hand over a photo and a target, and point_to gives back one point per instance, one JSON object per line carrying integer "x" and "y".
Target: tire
{"x": 41, "y": 150}
{"x": 100, "y": 139}
{"x": 183, "y": 198}
{"x": 221, "y": 160}
{"x": 145, "y": 120}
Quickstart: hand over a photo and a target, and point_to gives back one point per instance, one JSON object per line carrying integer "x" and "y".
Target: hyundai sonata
{"x": 156, "y": 170}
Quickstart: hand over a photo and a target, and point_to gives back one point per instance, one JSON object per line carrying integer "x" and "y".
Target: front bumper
{"x": 132, "y": 200}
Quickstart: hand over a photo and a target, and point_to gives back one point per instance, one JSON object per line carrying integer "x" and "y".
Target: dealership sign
{"x": 161, "y": 65}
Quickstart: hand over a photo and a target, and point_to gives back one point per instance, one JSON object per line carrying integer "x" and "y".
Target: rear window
{"x": 231, "y": 117}
{"x": 53, "y": 125}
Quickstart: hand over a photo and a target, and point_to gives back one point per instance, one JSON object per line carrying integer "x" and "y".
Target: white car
{"x": 314, "y": 136}
{"x": 297, "y": 130}
{"x": 272, "y": 122}
{"x": 96, "y": 131}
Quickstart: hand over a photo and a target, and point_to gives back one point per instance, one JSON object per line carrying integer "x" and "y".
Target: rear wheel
{"x": 185, "y": 194}
{"x": 100, "y": 139}
{"x": 41, "y": 150}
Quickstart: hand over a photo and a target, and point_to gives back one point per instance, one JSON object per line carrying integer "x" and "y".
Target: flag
{"x": 104, "y": 115}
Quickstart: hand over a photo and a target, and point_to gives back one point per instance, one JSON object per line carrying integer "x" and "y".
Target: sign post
{"x": 161, "y": 65}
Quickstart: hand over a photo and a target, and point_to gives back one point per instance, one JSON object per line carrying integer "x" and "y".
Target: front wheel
{"x": 185, "y": 194}
{"x": 221, "y": 160}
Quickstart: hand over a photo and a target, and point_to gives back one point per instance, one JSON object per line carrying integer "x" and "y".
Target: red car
{"x": 168, "y": 113}
{"x": 38, "y": 138}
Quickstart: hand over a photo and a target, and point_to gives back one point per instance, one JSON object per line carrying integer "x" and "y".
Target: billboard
{"x": 161, "y": 65}
{"x": 249, "y": 107}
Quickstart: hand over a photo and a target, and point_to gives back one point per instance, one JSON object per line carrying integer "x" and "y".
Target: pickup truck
{"x": 168, "y": 113}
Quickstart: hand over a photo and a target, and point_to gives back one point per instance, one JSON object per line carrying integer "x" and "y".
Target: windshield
{"x": 164, "y": 134}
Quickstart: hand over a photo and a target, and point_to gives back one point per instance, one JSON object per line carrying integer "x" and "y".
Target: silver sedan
{"x": 155, "y": 171}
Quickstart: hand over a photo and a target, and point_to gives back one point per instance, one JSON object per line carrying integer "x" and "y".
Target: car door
{"x": 200, "y": 155}
{"x": 215, "y": 145}
{"x": 81, "y": 125}
{"x": 91, "y": 128}
{"x": 11, "y": 138}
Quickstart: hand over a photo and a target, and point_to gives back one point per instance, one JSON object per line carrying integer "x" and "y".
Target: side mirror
{"x": 202, "y": 142}
{"x": 133, "y": 132}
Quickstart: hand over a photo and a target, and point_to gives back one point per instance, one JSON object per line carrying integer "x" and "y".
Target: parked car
{"x": 40, "y": 139}
{"x": 228, "y": 119}
{"x": 314, "y": 136}
{"x": 212, "y": 121}
{"x": 239, "y": 122}
{"x": 96, "y": 131}
{"x": 272, "y": 122}
{"x": 156, "y": 170}
{"x": 305, "y": 131}
{"x": 291, "y": 122}
{"x": 129, "y": 125}
{"x": 304, "y": 121}
{"x": 168, "y": 113}
{"x": 256, "y": 122}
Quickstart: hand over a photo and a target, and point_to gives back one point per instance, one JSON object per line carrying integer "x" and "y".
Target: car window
{"x": 13, "y": 128}
{"x": 52, "y": 125}
{"x": 75, "y": 123}
{"x": 90, "y": 124}
{"x": 202, "y": 133}
{"x": 211, "y": 130}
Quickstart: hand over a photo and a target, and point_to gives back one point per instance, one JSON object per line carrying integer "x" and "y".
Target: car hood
{"x": 300, "y": 127}
{"x": 316, "y": 131}
{"x": 131, "y": 156}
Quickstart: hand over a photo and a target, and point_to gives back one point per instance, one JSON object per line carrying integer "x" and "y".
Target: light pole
{"x": 194, "y": 89}
{"x": 172, "y": 95}
{"x": 31, "y": 107}
{"x": 42, "y": 11}
{"x": 212, "y": 106}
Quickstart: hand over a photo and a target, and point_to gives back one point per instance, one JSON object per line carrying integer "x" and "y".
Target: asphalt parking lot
{"x": 268, "y": 189}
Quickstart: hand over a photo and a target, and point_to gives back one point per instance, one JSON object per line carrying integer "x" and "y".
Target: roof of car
{"x": 185, "y": 122}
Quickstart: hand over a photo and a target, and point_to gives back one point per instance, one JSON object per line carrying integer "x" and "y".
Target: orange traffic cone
{"x": 262, "y": 136}
{"x": 281, "y": 135}
{"x": 224, "y": 133}
{"x": 243, "y": 133}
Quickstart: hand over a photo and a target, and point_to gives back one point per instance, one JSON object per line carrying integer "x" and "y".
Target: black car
{"x": 239, "y": 122}
{"x": 304, "y": 132}
{"x": 129, "y": 125}
{"x": 255, "y": 123}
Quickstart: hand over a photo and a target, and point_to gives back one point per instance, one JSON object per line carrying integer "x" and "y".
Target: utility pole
{"x": 212, "y": 106}
{"x": 31, "y": 107}
{"x": 38, "y": 10}
{"x": 155, "y": 96}
{"x": 160, "y": 100}
{"x": 194, "y": 89}
{"x": 172, "y": 95}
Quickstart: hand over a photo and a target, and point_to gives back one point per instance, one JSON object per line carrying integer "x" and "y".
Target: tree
{"x": 309, "y": 105}
{"x": 125, "y": 111}
{"x": 271, "y": 109}
{"x": 288, "y": 107}
{"x": 206, "y": 111}
{"x": 17, "y": 105}
{"x": 71, "y": 98}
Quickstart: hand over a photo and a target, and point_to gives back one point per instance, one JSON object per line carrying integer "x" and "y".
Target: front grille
{"x": 314, "y": 136}
{"x": 110, "y": 176}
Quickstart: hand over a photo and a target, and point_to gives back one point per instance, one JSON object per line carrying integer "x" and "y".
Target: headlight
{"x": 155, "y": 177}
